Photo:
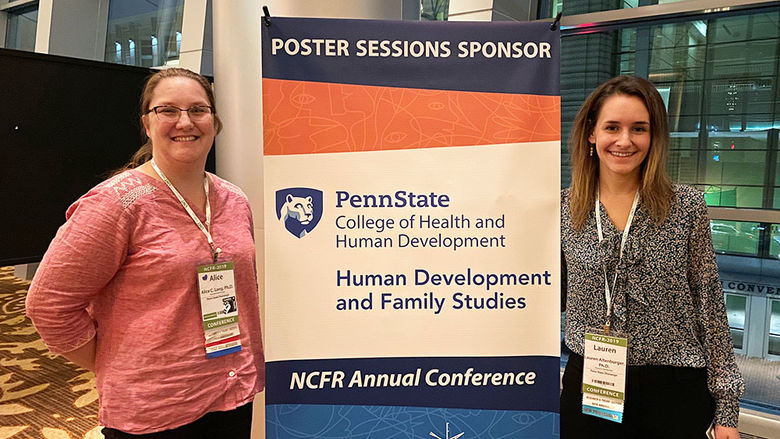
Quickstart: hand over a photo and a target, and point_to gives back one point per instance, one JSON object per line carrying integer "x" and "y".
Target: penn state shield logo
{"x": 299, "y": 209}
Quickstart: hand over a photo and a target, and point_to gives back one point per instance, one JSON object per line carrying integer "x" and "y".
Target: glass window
{"x": 735, "y": 309}
{"x": 436, "y": 10}
{"x": 549, "y": 8}
{"x": 774, "y": 328}
{"x": 734, "y": 166}
{"x": 736, "y": 237}
{"x": 144, "y": 33}
{"x": 774, "y": 241}
{"x": 22, "y": 24}
{"x": 719, "y": 81}
{"x": 733, "y": 196}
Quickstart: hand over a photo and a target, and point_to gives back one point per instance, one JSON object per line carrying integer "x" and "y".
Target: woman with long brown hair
{"x": 135, "y": 284}
{"x": 642, "y": 288}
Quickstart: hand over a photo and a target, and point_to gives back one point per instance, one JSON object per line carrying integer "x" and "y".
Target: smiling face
{"x": 622, "y": 137}
{"x": 183, "y": 143}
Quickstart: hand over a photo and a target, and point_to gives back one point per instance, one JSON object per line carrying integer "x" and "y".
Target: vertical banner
{"x": 412, "y": 183}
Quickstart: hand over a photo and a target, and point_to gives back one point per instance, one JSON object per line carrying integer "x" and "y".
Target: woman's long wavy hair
{"x": 655, "y": 187}
{"x": 144, "y": 153}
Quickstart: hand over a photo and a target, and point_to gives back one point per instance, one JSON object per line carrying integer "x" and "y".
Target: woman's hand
{"x": 85, "y": 356}
{"x": 722, "y": 432}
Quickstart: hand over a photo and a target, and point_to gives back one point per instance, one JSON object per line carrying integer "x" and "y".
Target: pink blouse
{"x": 123, "y": 267}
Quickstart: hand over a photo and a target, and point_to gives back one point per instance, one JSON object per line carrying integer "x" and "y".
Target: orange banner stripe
{"x": 313, "y": 117}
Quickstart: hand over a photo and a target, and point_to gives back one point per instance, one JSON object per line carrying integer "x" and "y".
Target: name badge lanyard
{"x": 607, "y": 293}
{"x": 205, "y": 229}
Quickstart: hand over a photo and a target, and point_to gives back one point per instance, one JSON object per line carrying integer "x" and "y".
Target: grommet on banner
{"x": 554, "y": 25}
{"x": 266, "y": 16}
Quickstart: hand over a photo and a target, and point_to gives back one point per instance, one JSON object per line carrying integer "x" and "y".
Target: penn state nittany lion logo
{"x": 299, "y": 209}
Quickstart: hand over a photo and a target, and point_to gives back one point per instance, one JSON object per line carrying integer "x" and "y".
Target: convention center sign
{"x": 412, "y": 256}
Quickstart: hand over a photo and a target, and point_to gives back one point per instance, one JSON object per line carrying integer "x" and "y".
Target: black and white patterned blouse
{"x": 668, "y": 298}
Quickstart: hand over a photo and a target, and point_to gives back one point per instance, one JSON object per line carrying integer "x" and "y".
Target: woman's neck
{"x": 617, "y": 194}
{"x": 188, "y": 181}
{"x": 618, "y": 185}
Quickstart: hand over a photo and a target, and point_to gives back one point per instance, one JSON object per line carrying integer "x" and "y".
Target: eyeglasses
{"x": 170, "y": 113}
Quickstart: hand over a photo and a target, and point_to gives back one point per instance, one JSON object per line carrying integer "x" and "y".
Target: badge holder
{"x": 220, "y": 309}
{"x": 604, "y": 373}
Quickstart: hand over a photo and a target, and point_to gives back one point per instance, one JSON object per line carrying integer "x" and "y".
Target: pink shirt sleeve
{"x": 84, "y": 255}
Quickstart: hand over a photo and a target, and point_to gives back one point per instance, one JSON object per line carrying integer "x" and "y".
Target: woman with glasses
{"x": 134, "y": 285}
{"x": 645, "y": 319}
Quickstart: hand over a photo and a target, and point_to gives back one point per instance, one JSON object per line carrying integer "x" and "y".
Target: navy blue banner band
{"x": 490, "y": 383}
{"x": 518, "y": 58}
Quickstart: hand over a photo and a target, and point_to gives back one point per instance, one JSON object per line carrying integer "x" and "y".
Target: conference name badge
{"x": 604, "y": 375}
{"x": 219, "y": 308}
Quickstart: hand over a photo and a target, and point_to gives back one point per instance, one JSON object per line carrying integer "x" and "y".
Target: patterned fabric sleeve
{"x": 84, "y": 255}
{"x": 724, "y": 379}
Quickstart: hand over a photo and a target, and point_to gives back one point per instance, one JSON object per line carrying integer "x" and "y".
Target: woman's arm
{"x": 81, "y": 260}
{"x": 723, "y": 377}
{"x": 83, "y": 356}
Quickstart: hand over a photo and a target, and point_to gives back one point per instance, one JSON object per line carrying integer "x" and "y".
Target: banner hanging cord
{"x": 266, "y": 16}
{"x": 553, "y": 26}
